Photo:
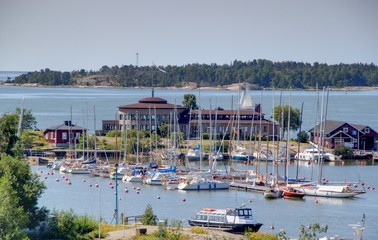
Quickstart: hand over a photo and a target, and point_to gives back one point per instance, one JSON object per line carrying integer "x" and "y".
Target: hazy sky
{"x": 70, "y": 35}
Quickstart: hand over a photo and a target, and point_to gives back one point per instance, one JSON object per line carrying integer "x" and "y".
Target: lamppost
{"x": 116, "y": 193}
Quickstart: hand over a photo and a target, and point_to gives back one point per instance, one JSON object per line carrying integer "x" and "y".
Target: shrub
{"x": 199, "y": 230}
{"x": 148, "y": 218}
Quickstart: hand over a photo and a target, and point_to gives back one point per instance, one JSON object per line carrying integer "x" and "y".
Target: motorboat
{"x": 272, "y": 193}
{"x": 290, "y": 192}
{"x": 202, "y": 183}
{"x": 314, "y": 154}
{"x": 236, "y": 220}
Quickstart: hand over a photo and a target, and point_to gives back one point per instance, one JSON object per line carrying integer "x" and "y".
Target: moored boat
{"x": 236, "y": 220}
{"x": 290, "y": 192}
{"x": 200, "y": 183}
{"x": 272, "y": 193}
{"x": 331, "y": 191}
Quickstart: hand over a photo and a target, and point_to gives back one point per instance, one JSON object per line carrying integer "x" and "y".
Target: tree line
{"x": 262, "y": 73}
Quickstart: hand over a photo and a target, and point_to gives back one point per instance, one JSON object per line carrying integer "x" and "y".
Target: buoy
{"x": 45, "y": 177}
{"x": 373, "y": 188}
{"x": 158, "y": 197}
{"x": 110, "y": 183}
{"x": 316, "y": 201}
{"x": 184, "y": 200}
{"x": 272, "y": 227}
{"x": 52, "y": 173}
{"x": 362, "y": 184}
{"x": 137, "y": 192}
{"x": 97, "y": 185}
{"x": 245, "y": 162}
{"x": 90, "y": 185}
{"x": 84, "y": 180}
{"x": 126, "y": 190}
{"x": 134, "y": 188}
{"x": 112, "y": 187}
{"x": 250, "y": 200}
{"x": 69, "y": 182}
{"x": 368, "y": 187}
{"x": 56, "y": 180}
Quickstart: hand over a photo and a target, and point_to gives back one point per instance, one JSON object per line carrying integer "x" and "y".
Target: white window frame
{"x": 345, "y": 129}
{"x": 367, "y": 130}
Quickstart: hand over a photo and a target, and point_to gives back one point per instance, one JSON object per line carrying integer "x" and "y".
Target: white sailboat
{"x": 319, "y": 189}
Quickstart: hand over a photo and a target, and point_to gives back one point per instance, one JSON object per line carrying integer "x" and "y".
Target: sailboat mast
{"x": 299, "y": 143}
{"x": 287, "y": 139}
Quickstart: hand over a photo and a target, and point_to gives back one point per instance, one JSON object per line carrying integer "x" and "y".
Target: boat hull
{"x": 204, "y": 186}
{"x": 235, "y": 228}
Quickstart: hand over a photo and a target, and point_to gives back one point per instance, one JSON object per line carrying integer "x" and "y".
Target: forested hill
{"x": 263, "y": 73}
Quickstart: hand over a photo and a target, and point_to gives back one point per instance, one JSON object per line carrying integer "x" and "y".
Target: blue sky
{"x": 74, "y": 34}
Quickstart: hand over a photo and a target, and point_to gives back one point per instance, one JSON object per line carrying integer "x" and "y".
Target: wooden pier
{"x": 248, "y": 187}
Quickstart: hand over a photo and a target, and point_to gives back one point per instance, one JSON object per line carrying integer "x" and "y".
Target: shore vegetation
{"x": 259, "y": 73}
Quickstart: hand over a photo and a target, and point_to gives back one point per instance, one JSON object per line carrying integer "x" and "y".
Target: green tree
{"x": 190, "y": 101}
{"x": 8, "y": 136}
{"x": 283, "y": 112}
{"x": 26, "y": 186}
{"x": 12, "y": 217}
{"x": 302, "y": 137}
{"x": 148, "y": 218}
{"x": 28, "y": 120}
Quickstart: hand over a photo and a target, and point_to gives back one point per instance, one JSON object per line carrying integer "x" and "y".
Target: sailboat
{"x": 288, "y": 191}
{"x": 319, "y": 190}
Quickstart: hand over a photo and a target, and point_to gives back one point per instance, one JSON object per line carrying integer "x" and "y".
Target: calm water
{"x": 51, "y": 106}
{"x": 281, "y": 213}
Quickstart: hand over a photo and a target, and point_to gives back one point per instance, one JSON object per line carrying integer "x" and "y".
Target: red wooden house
{"x": 339, "y": 133}
{"x": 64, "y": 135}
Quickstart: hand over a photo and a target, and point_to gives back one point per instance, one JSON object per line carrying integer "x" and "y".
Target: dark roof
{"x": 331, "y": 125}
{"x": 228, "y": 112}
{"x": 203, "y": 121}
{"x": 148, "y": 102}
{"x": 65, "y": 127}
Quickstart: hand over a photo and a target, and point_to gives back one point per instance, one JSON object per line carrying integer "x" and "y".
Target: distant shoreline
{"x": 232, "y": 87}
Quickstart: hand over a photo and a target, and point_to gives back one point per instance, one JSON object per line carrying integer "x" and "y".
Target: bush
{"x": 302, "y": 137}
{"x": 148, "y": 218}
{"x": 261, "y": 236}
{"x": 67, "y": 225}
{"x": 199, "y": 230}
{"x": 343, "y": 151}
{"x": 113, "y": 133}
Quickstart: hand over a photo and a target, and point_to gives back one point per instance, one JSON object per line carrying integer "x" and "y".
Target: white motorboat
{"x": 236, "y": 220}
{"x": 201, "y": 183}
{"x": 314, "y": 154}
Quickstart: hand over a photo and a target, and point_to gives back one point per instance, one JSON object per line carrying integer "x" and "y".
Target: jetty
{"x": 248, "y": 187}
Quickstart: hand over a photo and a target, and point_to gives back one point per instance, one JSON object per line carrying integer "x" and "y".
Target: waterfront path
{"x": 212, "y": 234}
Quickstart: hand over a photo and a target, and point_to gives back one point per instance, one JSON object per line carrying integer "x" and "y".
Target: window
{"x": 64, "y": 136}
{"x": 345, "y": 129}
{"x": 367, "y": 130}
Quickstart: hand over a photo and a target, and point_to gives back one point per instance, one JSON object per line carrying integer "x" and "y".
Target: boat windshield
{"x": 244, "y": 212}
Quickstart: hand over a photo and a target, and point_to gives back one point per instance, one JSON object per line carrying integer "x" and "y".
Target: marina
{"x": 87, "y": 194}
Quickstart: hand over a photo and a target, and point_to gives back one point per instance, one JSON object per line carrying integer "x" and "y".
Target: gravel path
{"x": 213, "y": 234}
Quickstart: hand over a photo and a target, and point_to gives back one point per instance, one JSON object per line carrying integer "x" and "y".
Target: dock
{"x": 248, "y": 187}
